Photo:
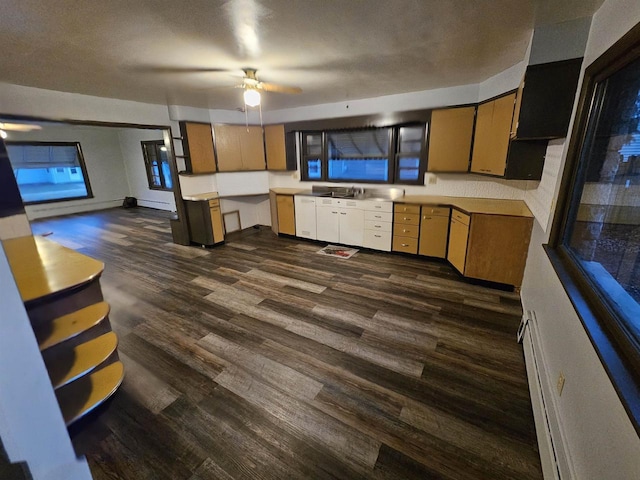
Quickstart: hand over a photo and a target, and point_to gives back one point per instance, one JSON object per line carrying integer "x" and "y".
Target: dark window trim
{"x": 83, "y": 167}
{"x": 147, "y": 166}
{"x": 392, "y": 158}
{"x": 618, "y": 354}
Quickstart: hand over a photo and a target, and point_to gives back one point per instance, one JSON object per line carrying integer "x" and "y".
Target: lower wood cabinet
{"x": 434, "y": 231}
{"x": 286, "y": 214}
{"x": 489, "y": 247}
{"x": 458, "y": 239}
{"x": 205, "y": 221}
{"x": 406, "y": 221}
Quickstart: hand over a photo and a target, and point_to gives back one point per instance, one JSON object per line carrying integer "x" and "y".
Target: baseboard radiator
{"x": 554, "y": 455}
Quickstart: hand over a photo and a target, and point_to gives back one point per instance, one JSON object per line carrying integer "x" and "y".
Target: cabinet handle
{"x": 378, "y": 216}
{"x": 378, "y": 226}
{"x": 378, "y": 236}
{"x": 377, "y": 206}
{"x": 426, "y": 218}
{"x": 404, "y": 231}
{"x": 343, "y": 213}
{"x": 335, "y": 213}
{"x": 405, "y": 218}
{"x": 405, "y": 244}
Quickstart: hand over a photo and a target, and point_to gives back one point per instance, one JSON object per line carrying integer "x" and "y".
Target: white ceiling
{"x": 336, "y": 50}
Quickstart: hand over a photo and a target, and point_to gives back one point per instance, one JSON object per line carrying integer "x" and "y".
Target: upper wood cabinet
{"x": 493, "y": 151}
{"x": 274, "y": 142}
{"x": 491, "y": 143}
{"x": 545, "y": 100}
{"x": 197, "y": 144}
{"x": 239, "y": 148}
{"x": 450, "y": 136}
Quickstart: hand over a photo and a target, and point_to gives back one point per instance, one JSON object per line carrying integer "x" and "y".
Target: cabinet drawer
{"x": 404, "y": 208}
{"x": 214, "y": 203}
{"x": 377, "y": 226}
{"x": 407, "y": 218}
{"x": 377, "y": 206}
{"x": 405, "y": 230}
{"x": 435, "y": 211}
{"x": 377, "y": 240}
{"x": 461, "y": 217}
{"x": 378, "y": 216}
{"x": 405, "y": 244}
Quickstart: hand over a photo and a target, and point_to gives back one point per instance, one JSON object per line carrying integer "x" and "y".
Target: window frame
{"x": 83, "y": 168}
{"x": 393, "y": 157}
{"x": 147, "y": 166}
{"x": 617, "y": 351}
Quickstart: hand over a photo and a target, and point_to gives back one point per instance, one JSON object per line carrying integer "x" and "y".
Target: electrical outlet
{"x": 560, "y": 383}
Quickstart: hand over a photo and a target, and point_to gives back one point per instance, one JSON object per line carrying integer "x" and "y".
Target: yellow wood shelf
{"x": 87, "y": 393}
{"x": 69, "y": 326}
{"x": 487, "y": 206}
{"x": 43, "y": 268}
{"x": 65, "y": 367}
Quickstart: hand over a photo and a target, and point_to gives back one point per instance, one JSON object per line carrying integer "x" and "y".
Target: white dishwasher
{"x": 305, "y": 211}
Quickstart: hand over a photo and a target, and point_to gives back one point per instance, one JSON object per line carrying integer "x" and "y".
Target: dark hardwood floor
{"x": 261, "y": 359}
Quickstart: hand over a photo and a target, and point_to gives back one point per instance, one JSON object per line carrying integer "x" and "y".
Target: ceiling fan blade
{"x": 19, "y": 127}
{"x": 272, "y": 87}
{"x": 160, "y": 69}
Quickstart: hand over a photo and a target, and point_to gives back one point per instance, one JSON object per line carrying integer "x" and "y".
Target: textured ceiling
{"x": 335, "y": 50}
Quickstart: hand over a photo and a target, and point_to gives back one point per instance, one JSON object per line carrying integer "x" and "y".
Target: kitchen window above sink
{"x": 368, "y": 155}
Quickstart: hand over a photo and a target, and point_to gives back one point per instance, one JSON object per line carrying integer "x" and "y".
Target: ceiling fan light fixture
{"x": 251, "y": 97}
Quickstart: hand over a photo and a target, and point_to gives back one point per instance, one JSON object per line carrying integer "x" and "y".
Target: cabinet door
{"x": 228, "y": 148}
{"x": 491, "y": 141}
{"x": 276, "y": 152}
{"x": 197, "y": 143}
{"x": 216, "y": 224}
{"x": 498, "y": 246}
{"x": 251, "y": 147}
{"x": 286, "y": 214}
{"x": 457, "y": 253}
{"x": 451, "y": 131}
{"x": 351, "y": 226}
{"x": 305, "y": 209}
{"x": 327, "y": 223}
{"x": 434, "y": 231}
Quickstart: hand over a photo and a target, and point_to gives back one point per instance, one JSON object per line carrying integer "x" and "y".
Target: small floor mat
{"x": 339, "y": 252}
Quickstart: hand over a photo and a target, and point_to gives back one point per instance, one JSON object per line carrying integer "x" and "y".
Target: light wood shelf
{"x": 81, "y": 397}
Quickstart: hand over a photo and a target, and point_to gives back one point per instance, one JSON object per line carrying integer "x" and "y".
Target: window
{"x": 359, "y": 155}
{"x": 156, "y": 163}
{"x": 410, "y": 151}
{"x": 49, "y": 171}
{"x": 373, "y": 155}
{"x": 595, "y": 243}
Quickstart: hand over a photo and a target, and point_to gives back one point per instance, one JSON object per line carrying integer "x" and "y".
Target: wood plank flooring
{"x": 259, "y": 359}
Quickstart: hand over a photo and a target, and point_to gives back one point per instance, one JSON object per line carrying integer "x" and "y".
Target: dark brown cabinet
{"x": 206, "y": 226}
{"x": 546, "y": 98}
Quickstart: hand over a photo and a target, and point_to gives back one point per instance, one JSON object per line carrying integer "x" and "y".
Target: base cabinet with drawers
{"x": 406, "y": 228}
{"x": 378, "y": 225}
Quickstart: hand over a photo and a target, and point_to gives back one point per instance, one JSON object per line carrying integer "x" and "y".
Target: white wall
{"x": 103, "y": 159}
{"x": 133, "y": 160}
{"x": 599, "y": 438}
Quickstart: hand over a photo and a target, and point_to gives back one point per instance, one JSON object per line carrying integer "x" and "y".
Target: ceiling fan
{"x": 250, "y": 82}
{"x": 252, "y": 85}
{"x": 17, "y": 127}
